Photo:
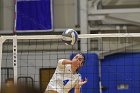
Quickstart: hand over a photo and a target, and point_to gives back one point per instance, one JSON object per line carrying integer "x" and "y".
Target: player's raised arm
{"x": 67, "y": 61}
{"x": 79, "y": 85}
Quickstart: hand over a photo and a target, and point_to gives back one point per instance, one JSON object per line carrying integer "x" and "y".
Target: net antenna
{"x": 49, "y": 37}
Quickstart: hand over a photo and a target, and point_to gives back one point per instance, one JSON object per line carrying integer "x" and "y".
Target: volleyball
{"x": 70, "y": 37}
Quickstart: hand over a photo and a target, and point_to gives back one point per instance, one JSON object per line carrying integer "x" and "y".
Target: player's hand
{"x": 81, "y": 83}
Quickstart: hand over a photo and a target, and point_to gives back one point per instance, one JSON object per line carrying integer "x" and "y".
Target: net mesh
{"x": 33, "y": 58}
{"x": 37, "y": 61}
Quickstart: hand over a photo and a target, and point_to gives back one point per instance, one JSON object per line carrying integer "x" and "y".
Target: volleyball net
{"x": 32, "y": 59}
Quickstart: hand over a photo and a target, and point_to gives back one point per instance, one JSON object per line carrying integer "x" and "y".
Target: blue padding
{"x": 90, "y": 71}
{"x": 122, "y": 68}
{"x": 34, "y": 15}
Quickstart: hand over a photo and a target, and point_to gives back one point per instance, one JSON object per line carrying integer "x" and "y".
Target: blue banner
{"x": 34, "y": 15}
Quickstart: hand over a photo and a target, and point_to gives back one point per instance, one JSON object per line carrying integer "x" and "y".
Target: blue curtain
{"x": 34, "y": 15}
{"x": 121, "y": 68}
{"x": 91, "y": 72}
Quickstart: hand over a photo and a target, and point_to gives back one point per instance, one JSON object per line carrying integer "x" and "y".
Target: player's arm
{"x": 66, "y": 61}
{"x": 77, "y": 89}
{"x": 79, "y": 85}
{"x": 73, "y": 62}
{"x": 63, "y": 62}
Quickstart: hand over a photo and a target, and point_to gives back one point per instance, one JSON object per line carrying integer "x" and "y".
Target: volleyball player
{"x": 66, "y": 76}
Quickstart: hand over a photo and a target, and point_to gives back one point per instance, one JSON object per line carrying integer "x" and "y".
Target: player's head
{"x": 80, "y": 58}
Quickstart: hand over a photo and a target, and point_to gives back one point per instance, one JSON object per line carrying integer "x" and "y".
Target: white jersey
{"x": 63, "y": 80}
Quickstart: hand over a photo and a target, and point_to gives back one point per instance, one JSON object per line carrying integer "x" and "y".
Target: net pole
{"x": 0, "y": 62}
{"x": 1, "y": 46}
{"x": 15, "y": 59}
